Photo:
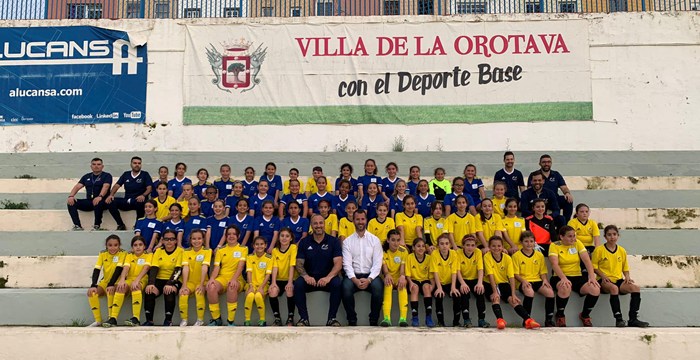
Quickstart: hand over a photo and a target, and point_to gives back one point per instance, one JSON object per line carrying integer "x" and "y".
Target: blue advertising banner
{"x": 71, "y": 75}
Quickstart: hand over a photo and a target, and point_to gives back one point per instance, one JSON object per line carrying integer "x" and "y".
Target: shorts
{"x": 160, "y": 285}
{"x": 577, "y": 283}
{"x": 144, "y": 281}
{"x": 420, "y": 283}
{"x": 224, "y": 280}
{"x": 267, "y": 287}
{"x": 536, "y": 285}
{"x": 503, "y": 291}
{"x": 192, "y": 287}
{"x": 617, "y": 283}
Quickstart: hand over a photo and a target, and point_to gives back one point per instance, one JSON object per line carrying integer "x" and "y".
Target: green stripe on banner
{"x": 365, "y": 114}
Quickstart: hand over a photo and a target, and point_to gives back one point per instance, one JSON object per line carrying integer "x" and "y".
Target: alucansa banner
{"x": 71, "y": 74}
{"x": 437, "y": 72}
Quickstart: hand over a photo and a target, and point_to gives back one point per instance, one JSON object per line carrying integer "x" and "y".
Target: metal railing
{"x": 172, "y": 9}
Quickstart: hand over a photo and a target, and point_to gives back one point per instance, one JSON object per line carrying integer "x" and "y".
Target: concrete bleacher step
{"x": 66, "y": 307}
{"x": 575, "y": 183}
{"x": 76, "y": 271}
{"x": 569, "y": 163}
{"x": 596, "y": 198}
{"x": 347, "y": 343}
{"x": 89, "y": 243}
{"x": 645, "y": 218}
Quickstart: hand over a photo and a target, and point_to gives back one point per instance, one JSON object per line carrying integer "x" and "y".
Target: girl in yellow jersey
{"x": 195, "y": 273}
{"x": 587, "y": 231}
{"x": 133, "y": 279}
{"x": 227, "y": 276}
{"x": 163, "y": 278}
{"x": 566, "y": 256}
{"x": 284, "y": 259}
{"x": 491, "y": 224}
{"x": 109, "y": 263}
{"x": 610, "y": 264}
{"x": 409, "y": 223}
{"x": 330, "y": 220}
{"x": 435, "y": 225}
{"x": 184, "y": 199}
{"x": 381, "y": 225}
{"x": 420, "y": 279}
{"x": 514, "y": 225}
{"x": 444, "y": 265}
{"x": 346, "y": 227}
{"x": 530, "y": 270}
{"x": 471, "y": 280}
{"x": 394, "y": 271}
{"x": 499, "y": 268}
{"x": 461, "y": 223}
{"x": 258, "y": 270}
{"x": 163, "y": 200}
{"x": 499, "y": 198}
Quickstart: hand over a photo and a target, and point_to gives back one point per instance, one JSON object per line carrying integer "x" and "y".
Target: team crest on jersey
{"x": 199, "y": 258}
{"x": 397, "y": 260}
{"x": 235, "y": 66}
{"x": 262, "y": 265}
{"x": 324, "y": 247}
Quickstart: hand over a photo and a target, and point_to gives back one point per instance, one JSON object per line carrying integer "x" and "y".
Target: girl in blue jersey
{"x": 274, "y": 181}
{"x": 256, "y": 201}
{"x": 396, "y": 200}
{"x": 216, "y": 225}
{"x": 424, "y": 200}
{"x": 175, "y": 184}
{"x": 413, "y": 180}
{"x": 175, "y": 223}
{"x": 193, "y": 220}
{"x": 201, "y": 186}
{"x": 149, "y": 226}
{"x": 243, "y": 221}
{"x": 389, "y": 182}
{"x": 232, "y": 199}
{"x": 298, "y": 224}
{"x": 370, "y": 201}
{"x": 346, "y": 174}
{"x": 295, "y": 196}
{"x": 322, "y": 194}
{"x": 344, "y": 197}
{"x": 473, "y": 185}
{"x": 163, "y": 173}
{"x": 267, "y": 226}
{"x": 224, "y": 184}
{"x": 369, "y": 177}
{"x": 250, "y": 186}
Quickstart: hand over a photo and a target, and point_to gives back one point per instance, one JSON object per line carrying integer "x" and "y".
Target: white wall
{"x": 644, "y": 85}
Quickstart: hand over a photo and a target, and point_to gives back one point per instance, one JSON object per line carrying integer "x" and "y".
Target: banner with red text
{"x": 387, "y": 73}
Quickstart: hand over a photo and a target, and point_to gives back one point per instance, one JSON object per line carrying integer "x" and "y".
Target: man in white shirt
{"x": 362, "y": 262}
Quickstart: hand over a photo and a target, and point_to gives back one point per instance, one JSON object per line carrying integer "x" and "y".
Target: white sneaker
{"x": 199, "y": 323}
{"x": 183, "y": 323}
{"x": 95, "y": 324}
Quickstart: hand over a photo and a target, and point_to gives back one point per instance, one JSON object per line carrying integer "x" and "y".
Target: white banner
{"x": 388, "y": 73}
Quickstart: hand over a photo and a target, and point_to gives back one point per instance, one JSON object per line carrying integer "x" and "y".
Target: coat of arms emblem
{"x": 236, "y": 67}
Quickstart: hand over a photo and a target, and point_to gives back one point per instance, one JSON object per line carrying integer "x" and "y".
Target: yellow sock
{"x": 94, "y": 302}
{"x": 199, "y": 298}
{"x": 403, "y": 303}
{"x": 110, "y": 301}
{"x": 116, "y": 305}
{"x": 260, "y": 302}
{"x": 214, "y": 309}
{"x": 183, "y": 304}
{"x": 249, "y": 298}
{"x": 387, "y": 302}
{"x": 232, "y": 307}
{"x": 136, "y": 303}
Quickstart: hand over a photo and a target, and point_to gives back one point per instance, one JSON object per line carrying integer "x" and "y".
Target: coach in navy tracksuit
{"x": 538, "y": 191}
{"x": 137, "y": 186}
{"x": 554, "y": 182}
{"x": 96, "y": 184}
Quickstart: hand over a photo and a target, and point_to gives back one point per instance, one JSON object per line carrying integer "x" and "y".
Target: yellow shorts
{"x": 267, "y": 287}
{"x": 144, "y": 281}
{"x": 224, "y": 280}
